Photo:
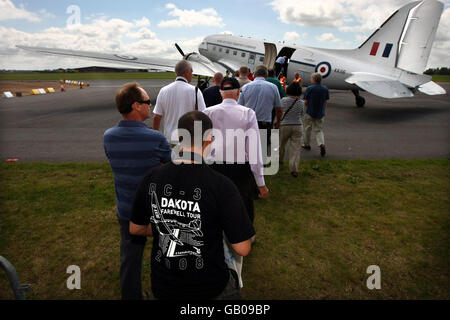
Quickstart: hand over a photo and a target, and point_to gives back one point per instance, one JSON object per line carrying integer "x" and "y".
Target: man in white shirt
{"x": 241, "y": 162}
{"x": 176, "y": 99}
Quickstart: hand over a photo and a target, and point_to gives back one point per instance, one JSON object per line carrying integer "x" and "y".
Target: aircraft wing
{"x": 201, "y": 65}
{"x": 229, "y": 65}
{"x": 380, "y": 86}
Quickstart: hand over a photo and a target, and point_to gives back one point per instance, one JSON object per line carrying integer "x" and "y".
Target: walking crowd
{"x": 190, "y": 182}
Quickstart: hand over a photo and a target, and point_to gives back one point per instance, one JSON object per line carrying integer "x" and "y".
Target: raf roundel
{"x": 324, "y": 68}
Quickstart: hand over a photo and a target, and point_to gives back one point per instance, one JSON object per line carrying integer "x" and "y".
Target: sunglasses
{"x": 145, "y": 102}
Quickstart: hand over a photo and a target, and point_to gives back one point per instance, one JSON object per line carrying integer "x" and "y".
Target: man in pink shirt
{"x": 236, "y": 148}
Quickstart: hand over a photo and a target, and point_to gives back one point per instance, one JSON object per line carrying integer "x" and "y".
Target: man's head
{"x": 187, "y": 124}
{"x": 217, "y": 79}
{"x": 133, "y": 102}
{"x": 184, "y": 69}
{"x": 271, "y": 73}
{"x": 316, "y": 78}
{"x": 294, "y": 89}
{"x": 230, "y": 88}
{"x": 296, "y": 75}
{"x": 244, "y": 71}
{"x": 261, "y": 71}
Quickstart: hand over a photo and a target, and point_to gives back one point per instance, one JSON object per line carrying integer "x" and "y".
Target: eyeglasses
{"x": 145, "y": 102}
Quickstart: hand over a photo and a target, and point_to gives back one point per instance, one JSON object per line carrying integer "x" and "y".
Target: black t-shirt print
{"x": 190, "y": 207}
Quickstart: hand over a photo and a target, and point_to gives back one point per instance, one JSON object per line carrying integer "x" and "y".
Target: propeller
{"x": 179, "y": 49}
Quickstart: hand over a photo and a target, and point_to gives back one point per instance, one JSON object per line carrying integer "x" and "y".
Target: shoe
{"x": 294, "y": 174}
{"x": 306, "y": 147}
{"x": 323, "y": 151}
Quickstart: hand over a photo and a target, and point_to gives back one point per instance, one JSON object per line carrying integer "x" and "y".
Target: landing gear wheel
{"x": 360, "y": 101}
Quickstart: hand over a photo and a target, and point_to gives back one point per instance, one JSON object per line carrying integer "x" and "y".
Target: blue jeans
{"x": 131, "y": 252}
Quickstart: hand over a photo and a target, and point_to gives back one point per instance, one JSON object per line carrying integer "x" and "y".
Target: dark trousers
{"x": 131, "y": 252}
{"x": 266, "y": 126}
{"x": 232, "y": 291}
{"x": 278, "y": 69}
{"x": 242, "y": 177}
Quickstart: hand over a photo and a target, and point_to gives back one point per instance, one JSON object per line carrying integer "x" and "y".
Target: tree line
{"x": 438, "y": 71}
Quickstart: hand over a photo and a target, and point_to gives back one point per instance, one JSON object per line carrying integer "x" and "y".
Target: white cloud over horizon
{"x": 108, "y": 36}
{"x": 291, "y": 36}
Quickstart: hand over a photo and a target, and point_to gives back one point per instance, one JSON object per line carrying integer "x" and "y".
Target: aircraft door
{"x": 286, "y": 52}
{"x": 270, "y": 54}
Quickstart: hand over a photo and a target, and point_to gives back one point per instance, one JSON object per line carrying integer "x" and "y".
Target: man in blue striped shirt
{"x": 132, "y": 150}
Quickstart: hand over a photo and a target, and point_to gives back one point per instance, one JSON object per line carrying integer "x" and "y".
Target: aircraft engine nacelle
{"x": 196, "y": 57}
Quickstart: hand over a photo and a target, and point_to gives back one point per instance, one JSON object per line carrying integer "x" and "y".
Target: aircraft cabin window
{"x": 243, "y": 55}
{"x": 234, "y": 53}
{"x": 251, "y": 59}
{"x": 220, "y": 49}
{"x": 261, "y": 59}
{"x": 228, "y": 51}
{"x": 214, "y": 48}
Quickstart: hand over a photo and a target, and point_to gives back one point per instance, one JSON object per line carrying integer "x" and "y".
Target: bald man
{"x": 212, "y": 95}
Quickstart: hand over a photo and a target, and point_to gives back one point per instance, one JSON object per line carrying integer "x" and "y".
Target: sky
{"x": 151, "y": 27}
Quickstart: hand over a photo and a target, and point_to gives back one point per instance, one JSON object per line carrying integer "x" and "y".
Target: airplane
{"x": 389, "y": 64}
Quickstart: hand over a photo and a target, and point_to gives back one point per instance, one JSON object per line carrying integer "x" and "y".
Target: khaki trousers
{"x": 293, "y": 134}
{"x": 317, "y": 124}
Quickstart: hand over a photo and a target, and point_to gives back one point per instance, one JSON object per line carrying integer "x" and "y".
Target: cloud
{"x": 347, "y": 15}
{"x": 291, "y": 36}
{"x": 327, "y": 37}
{"x": 190, "y": 18}
{"x": 8, "y": 11}
{"x": 440, "y": 53}
{"x": 108, "y": 36}
{"x": 48, "y": 15}
{"x": 325, "y": 13}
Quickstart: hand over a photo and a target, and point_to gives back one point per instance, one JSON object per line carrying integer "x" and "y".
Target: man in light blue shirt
{"x": 262, "y": 97}
{"x": 280, "y": 65}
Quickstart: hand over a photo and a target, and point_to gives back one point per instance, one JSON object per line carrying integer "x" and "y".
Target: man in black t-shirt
{"x": 187, "y": 207}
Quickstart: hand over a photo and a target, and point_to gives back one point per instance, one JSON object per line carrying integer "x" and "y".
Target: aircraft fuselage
{"x": 335, "y": 65}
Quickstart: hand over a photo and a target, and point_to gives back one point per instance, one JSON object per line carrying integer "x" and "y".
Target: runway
{"x": 69, "y": 126}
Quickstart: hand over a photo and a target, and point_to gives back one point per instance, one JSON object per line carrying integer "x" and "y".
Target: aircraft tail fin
{"x": 404, "y": 40}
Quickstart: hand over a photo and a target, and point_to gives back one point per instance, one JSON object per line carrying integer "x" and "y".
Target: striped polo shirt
{"x": 132, "y": 150}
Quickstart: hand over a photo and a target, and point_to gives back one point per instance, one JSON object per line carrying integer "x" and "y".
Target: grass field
{"x": 316, "y": 235}
{"x": 87, "y": 76}
{"x": 441, "y": 78}
{"x": 112, "y": 76}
